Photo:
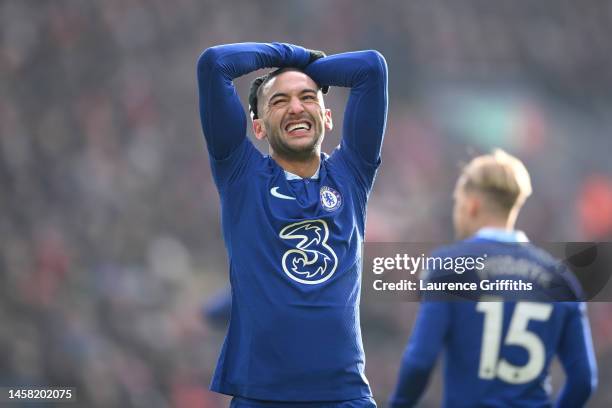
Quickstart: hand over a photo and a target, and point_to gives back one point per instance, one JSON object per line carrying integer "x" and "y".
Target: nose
{"x": 295, "y": 105}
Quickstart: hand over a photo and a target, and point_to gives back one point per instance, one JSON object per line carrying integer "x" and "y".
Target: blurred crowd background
{"x": 109, "y": 228}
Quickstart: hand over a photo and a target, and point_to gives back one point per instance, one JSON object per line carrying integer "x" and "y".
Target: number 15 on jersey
{"x": 491, "y": 366}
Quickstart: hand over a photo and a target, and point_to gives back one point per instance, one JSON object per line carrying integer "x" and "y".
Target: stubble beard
{"x": 303, "y": 153}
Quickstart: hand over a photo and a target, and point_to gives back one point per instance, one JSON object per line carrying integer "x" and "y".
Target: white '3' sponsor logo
{"x": 311, "y": 260}
{"x": 275, "y": 193}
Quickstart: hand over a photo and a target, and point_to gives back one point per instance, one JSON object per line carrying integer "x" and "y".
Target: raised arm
{"x": 365, "y": 72}
{"x": 578, "y": 360}
{"x": 221, "y": 113}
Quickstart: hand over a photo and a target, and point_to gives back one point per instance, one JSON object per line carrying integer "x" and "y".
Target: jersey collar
{"x": 501, "y": 235}
{"x": 291, "y": 176}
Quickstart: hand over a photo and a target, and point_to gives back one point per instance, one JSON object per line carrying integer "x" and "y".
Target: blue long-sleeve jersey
{"x": 294, "y": 245}
{"x": 497, "y": 354}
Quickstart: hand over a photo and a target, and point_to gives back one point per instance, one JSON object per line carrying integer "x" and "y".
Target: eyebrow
{"x": 282, "y": 94}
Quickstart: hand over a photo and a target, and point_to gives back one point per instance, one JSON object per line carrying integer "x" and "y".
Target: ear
{"x": 329, "y": 123}
{"x": 474, "y": 205}
{"x": 259, "y": 129}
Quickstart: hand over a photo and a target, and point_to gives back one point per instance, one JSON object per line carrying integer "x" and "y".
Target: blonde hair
{"x": 501, "y": 177}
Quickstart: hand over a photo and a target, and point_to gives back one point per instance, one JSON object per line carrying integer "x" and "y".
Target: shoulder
{"x": 561, "y": 274}
{"x": 347, "y": 161}
{"x": 244, "y": 161}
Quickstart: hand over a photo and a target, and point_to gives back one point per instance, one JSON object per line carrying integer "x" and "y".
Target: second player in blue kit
{"x": 293, "y": 221}
{"x": 497, "y": 353}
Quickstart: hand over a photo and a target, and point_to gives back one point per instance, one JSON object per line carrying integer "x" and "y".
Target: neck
{"x": 304, "y": 168}
{"x": 493, "y": 222}
{"x": 496, "y": 219}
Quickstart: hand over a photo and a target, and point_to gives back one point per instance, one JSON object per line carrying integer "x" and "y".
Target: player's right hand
{"x": 315, "y": 55}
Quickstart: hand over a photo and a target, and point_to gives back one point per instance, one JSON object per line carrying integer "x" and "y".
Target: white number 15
{"x": 518, "y": 335}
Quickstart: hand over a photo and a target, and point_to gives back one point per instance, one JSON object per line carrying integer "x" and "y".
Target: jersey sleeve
{"x": 427, "y": 340}
{"x": 578, "y": 359}
{"x": 221, "y": 114}
{"x": 217, "y": 311}
{"x": 365, "y": 72}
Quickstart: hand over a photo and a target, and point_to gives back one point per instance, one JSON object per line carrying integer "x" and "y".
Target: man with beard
{"x": 293, "y": 221}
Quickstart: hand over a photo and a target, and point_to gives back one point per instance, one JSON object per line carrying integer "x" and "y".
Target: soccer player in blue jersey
{"x": 497, "y": 353}
{"x": 293, "y": 221}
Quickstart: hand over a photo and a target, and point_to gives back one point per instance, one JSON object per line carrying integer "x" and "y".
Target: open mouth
{"x": 296, "y": 127}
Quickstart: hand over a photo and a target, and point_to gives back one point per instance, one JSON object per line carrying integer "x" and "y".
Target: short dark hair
{"x": 259, "y": 82}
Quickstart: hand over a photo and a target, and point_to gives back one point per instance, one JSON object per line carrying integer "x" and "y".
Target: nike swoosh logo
{"x": 275, "y": 193}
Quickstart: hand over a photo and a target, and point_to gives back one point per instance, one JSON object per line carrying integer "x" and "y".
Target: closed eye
{"x": 278, "y": 101}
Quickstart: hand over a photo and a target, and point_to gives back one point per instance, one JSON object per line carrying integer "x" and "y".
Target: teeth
{"x": 301, "y": 125}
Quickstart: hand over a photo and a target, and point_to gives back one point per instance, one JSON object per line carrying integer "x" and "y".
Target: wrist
{"x": 294, "y": 56}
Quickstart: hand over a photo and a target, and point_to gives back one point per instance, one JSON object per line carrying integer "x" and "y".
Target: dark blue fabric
{"x": 295, "y": 262}
{"x": 365, "y": 402}
{"x": 457, "y": 329}
{"x": 218, "y": 309}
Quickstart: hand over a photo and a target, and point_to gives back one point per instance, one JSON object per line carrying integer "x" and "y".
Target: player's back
{"x": 498, "y": 306}
{"x": 498, "y": 353}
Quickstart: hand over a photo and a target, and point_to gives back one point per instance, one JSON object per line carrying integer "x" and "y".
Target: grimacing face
{"x": 293, "y": 116}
